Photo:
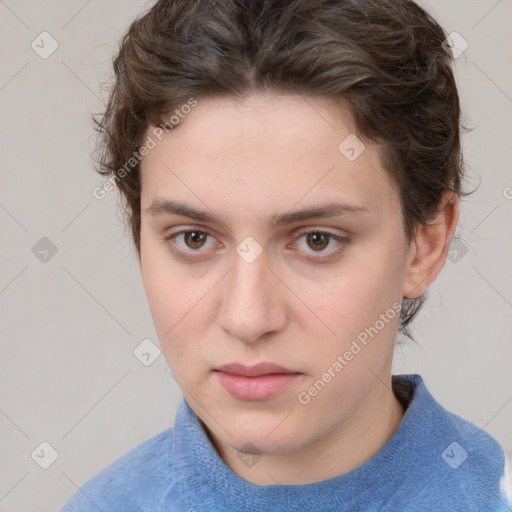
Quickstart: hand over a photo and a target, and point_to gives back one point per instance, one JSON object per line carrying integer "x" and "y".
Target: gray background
{"x": 69, "y": 325}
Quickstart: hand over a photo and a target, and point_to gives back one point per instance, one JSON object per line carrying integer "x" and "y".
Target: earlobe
{"x": 427, "y": 253}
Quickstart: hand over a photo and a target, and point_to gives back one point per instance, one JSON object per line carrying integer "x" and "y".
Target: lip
{"x": 256, "y": 370}
{"x": 255, "y": 383}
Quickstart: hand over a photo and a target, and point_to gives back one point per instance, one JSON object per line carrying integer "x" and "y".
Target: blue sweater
{"x": 435, "y": 462}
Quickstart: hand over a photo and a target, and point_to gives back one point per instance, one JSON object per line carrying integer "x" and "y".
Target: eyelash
{"x": 188, "y": 255}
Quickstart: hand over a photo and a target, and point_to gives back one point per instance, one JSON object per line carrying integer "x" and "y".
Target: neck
{"x": 348, "y": 446}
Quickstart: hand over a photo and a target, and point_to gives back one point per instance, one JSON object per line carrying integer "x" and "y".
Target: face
{"x": 274, "y": 265}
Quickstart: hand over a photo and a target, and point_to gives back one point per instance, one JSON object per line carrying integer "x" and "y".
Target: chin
{"x": 262, "y": 438}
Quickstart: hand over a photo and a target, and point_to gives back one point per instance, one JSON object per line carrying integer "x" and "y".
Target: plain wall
{"x": 69, "y": 325}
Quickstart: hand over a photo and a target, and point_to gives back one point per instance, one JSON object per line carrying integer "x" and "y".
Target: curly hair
{"x": 386, "y": 59}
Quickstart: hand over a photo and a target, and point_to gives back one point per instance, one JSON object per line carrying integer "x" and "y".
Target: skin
{"x": 242, "y": 161}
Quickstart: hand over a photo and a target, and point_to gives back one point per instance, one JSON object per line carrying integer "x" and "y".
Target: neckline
{"x": 217, "y": 487}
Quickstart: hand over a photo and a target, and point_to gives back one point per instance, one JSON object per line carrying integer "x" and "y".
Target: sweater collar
{"x": 216, "y": 487}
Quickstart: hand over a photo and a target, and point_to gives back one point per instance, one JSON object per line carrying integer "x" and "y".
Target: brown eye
{"x": 190, "y": 242}
{"x": 317, "y": 241}
{"x": 195, "y": 239}
{"x": 320, "y": 245}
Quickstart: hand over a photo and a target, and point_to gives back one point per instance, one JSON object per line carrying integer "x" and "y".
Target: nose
{"x": 251, "y": 306}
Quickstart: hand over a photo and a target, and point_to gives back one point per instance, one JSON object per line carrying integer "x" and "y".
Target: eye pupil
{"x": 320, "y": 240}
{"x": 197, "y": 239}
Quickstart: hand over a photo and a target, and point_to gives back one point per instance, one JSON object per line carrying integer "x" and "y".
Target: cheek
{"x": 358, "y": 292}
{"x": 166, "y": 291}
{"x": 345, "y": 365}
{"x": 349, "y": 303}
{"x": 179, "y": 304}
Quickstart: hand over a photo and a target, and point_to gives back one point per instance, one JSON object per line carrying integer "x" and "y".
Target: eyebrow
{"x": 173, "y": 207}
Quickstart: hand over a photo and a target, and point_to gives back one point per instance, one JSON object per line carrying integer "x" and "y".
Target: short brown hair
{"x": 385, "y": 58}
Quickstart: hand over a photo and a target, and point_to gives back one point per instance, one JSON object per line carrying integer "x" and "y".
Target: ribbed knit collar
{"x": 216, "y": 487}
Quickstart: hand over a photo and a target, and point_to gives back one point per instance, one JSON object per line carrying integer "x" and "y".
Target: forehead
{"x": 265, "y": 151}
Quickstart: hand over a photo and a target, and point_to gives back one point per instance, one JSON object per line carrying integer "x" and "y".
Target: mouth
{"x": 255, "y": 383}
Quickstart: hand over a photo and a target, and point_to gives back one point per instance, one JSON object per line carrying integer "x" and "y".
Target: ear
{"x": 427, "y": 252}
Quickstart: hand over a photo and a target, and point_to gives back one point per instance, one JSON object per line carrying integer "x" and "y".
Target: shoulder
{"x": 475, "y": 451}
{"x": 467, "y": 447}
{"x": 470, "y": 469}
{"x": 463, "y": 464}
{"x": 132, "y": 482}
